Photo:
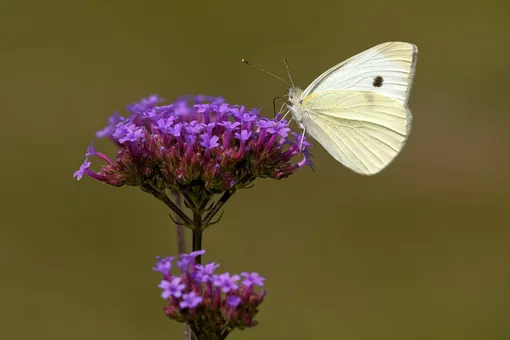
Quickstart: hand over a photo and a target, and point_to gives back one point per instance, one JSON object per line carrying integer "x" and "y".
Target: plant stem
{"x": 181, "y": 247}
{"x": 181, "y": 237}
{"x": 197, "y": 234}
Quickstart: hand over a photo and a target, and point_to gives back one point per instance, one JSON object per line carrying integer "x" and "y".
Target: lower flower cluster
{"x": 211, "y": 304}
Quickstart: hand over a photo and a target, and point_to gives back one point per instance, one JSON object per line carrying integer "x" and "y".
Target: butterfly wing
{"x": 358, "y": 109}
{"x": 393, "y": 62}
{"x": 364, "y": 131}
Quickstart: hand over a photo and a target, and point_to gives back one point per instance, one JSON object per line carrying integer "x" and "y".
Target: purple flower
{"x": 187, "y": 259}
{"x": 237, "y": 111}
{"x": 183, "y": 262}
{"x": 193, "y": 127}
{"x": 112, "y": 122}
{"x": 280, "y": 129}
{"x": 226, "y": 282}
{"x": 190, "y": 300}
{"x": 145, "y": 104}
{"x": 301, "y": 141}
{"x": 164, "y": 124}
{"x": 265, "y": 123}
{"x": 196, "y": 253}
{"x": 253, "y": 278}
{"x": 82, "y": 170}
{"x": 163, "y": 265}
{"x": 119, "y": 131}
{"x": 132, "y": 133}
{"x": 176, "y": 130}
{"x": 201, "y": 108}
{"x": 227, "y": 124}
{"x": 244, "y": 135}
{"x": 190, "y": 142}
{"x": 248, "y": 118}
{"x": 209, "y": 142}
{"x": 205, "y": 273}
{"x": 152, "y": 112}
{"x": 172, "y": 288}
{"x": 233, "y": 301}
{"x": 209, "y": 128}
{"x": 90, "y": 150}
{"x": 225, "y": 108}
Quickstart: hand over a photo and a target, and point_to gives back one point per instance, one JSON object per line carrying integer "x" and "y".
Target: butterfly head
{"x": 294, "y": 95}
{"x": 295, "y": 102}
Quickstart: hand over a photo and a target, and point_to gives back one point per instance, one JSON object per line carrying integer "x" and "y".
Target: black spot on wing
{"x": 378, "y": 81}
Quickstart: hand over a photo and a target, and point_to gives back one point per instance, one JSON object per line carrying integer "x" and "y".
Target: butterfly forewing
{"x": 386, "y": 69}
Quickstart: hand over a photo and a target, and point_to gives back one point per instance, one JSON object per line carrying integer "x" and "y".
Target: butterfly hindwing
{"x": 363, "y": 131}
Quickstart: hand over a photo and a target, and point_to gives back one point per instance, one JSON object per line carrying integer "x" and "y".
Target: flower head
{"x": 196, "y": 143}
{"x": 210, "y": 302}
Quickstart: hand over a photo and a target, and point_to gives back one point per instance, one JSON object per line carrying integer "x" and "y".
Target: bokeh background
{"x": 420, "y": 251}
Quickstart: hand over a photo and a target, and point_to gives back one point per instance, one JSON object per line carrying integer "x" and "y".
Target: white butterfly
{"x": 358, "y": 109}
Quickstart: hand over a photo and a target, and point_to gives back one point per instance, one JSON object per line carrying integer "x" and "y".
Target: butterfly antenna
{"x": 261, "y": 69}
{"x": 288, "y": 72}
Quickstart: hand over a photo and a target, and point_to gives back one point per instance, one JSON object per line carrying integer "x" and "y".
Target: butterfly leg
{"x": 285, "y": 115}
{"x": 287, "y": 111}
{"x": 281, "y": 108}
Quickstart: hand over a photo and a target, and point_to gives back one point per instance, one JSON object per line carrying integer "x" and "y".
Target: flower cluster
{"x": 212, "y": 304}
{"x": 196, "y": 142}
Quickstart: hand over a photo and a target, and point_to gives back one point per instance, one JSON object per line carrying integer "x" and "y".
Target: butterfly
{"x": 358, "y": 110}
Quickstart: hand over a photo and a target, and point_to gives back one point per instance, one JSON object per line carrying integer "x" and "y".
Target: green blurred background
{"x": 420, "y": 251}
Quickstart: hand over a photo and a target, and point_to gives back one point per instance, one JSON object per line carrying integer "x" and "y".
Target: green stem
{"x": 197, "y": 234}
